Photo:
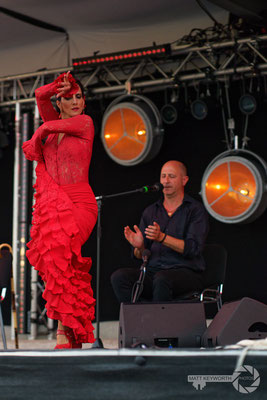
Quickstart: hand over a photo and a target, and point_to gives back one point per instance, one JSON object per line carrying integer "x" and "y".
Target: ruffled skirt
{"x": 63, "y": 219}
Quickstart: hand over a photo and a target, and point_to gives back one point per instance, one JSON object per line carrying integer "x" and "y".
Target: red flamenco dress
{"x": 65, "y": 212}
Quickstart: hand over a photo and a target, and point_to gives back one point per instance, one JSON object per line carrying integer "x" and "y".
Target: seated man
{"x": 174, "y": 229}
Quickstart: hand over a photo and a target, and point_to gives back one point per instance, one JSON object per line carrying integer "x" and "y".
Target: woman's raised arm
{"x": 43, "y": 95}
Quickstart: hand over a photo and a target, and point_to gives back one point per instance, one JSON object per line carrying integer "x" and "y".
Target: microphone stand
{"x": 98, "y": 342}
{"x": 139, "y": 284}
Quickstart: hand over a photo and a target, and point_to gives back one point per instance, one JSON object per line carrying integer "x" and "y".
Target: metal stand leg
{"x": 2, "y": 329}
{"x": 139, "y": 285}
{"x": 98, "y": 344}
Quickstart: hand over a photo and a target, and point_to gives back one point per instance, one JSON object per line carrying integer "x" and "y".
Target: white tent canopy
{"x": 102, "y": 26}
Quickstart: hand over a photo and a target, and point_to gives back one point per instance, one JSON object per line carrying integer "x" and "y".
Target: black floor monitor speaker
{"x": 161, "y": 324}
{"x": 238, "y": 320}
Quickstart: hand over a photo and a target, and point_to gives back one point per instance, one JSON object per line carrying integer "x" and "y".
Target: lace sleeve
{"x": 43, "y": 95}
{"x": 32, "y": 149}
{"x": 80, "y": 126}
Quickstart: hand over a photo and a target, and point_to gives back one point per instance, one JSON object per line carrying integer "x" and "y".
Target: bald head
{"x": 177, "y": 165}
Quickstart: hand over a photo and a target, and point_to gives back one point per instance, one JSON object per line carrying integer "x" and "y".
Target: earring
{"x": 59, "y": 117}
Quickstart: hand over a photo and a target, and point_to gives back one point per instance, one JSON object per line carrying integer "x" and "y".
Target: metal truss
{"x": 187, "y": 63}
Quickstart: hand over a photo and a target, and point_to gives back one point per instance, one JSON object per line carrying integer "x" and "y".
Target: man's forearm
{"x": 173, "y": 243}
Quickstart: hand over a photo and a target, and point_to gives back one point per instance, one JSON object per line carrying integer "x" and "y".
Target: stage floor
{"x": 37, "y": 371}
{"x": 131, "y": 374}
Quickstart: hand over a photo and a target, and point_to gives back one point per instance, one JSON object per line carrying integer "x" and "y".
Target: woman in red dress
{"x": 65, "y": 209}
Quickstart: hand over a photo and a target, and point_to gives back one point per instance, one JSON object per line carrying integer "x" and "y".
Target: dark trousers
{"x": 163, "y": 285}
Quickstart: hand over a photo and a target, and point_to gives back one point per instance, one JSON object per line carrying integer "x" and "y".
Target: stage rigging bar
{"x": 187, "y": 62}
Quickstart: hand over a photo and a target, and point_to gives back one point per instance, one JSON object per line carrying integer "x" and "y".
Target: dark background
{"x": 191, "y": 141}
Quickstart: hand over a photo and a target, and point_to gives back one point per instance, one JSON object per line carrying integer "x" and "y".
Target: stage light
{"x": 141, "y": 132}
{"x": 168, "y": 114}
{"x": 247, "y": 104}
{"x": 199, "y": 109}
{"x": 132, "y": 130}
{"x": 233, "y": 187}
{"x": 122, "y": 56}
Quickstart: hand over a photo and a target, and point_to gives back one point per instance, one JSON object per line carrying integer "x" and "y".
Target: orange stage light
{"x": 234, "y": 187}
{"x": 131, "y": 131}
{"x": 122, "y": 138}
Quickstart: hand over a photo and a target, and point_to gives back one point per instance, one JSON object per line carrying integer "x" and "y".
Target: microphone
{"x": 152, "y": 188}
{"x": 145, "y": 255}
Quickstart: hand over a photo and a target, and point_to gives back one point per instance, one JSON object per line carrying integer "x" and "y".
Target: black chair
{"x": 215, "y": 256}
{"x": 5, "y": 278}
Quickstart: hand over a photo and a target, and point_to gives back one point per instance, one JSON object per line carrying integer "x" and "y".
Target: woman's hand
{"x": 64, "y": 86}
{"x": 153, "y": 232}
{"x": 134, "y": 238}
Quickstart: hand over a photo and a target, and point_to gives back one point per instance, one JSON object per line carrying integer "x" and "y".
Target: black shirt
{"x": 189, "y": 223}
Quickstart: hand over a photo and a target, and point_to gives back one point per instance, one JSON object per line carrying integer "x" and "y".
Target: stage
{"x": 130, "y": 374}
{"x": 33, "y": 371}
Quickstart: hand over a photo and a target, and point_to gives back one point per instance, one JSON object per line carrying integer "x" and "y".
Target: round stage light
{"x": 199, "y": 109}
{"x": 168, "y": 114}
{"x": 233, "y": 187}
{"x": 247, "y": 104}
{"x": 132, "y": 130}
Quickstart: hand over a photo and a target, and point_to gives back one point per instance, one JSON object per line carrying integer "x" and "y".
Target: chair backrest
{"x": 5, "y": 266}
{"x": 215, "y": 256}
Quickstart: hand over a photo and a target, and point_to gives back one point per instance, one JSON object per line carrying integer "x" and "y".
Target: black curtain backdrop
{"x": 193, "y": 142}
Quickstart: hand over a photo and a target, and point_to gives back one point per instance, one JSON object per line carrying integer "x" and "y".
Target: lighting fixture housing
{"x": 199, "y": 109}
{"x": 233, "y": 187}
{"x": 132, "y": 130}
{"x": 168, "y": 114}
{"x": 247, "y": 104}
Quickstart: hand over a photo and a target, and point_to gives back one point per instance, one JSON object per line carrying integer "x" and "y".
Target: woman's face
{"x": 71, "y": 106}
